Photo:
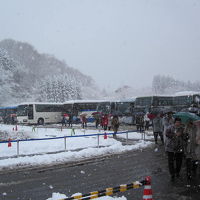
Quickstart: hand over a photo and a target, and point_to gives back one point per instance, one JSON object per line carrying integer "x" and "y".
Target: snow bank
{"x": 58, "y": 196}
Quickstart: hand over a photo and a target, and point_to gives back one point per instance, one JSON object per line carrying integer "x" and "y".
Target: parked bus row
{"x": 43, "y": 113}
{"x": 153, "y": 104}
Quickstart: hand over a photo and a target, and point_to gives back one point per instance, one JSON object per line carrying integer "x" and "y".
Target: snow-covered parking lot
{"x": 55, "y": 151}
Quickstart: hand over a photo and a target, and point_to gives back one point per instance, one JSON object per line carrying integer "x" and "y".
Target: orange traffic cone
{"x": 9, "y": 143}
{"x": 105, "y": 136}
{"x": 147, "y": 195}
{"x": 16, "y": 128}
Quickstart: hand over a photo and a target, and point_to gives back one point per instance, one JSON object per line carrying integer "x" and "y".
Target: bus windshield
{"x": 124, "y": 108}
{"x": 182, "y": 100}
{"x": 22, "y": 110}
{"x": 104, "y": 108}
{"x": 162, "y": 101}
{"x": 143, "y": 101}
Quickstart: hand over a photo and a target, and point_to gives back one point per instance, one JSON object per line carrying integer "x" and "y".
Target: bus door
{"x": 30, "y": 111}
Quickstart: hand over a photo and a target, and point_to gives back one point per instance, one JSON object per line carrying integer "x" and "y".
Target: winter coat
{"x": 115, "y": 124}
{"x": 157, "y": 124}
{"x": 174, "y": 143}
{"x": 84, "y": 119}
{"x": 146, "y": 118}
{"x": 140, "y": 120}
{"x": 105, "y": 120}
{"x": 190, "y": 133}
{"x": 109, "y": 121}
{"x": 167, "y": 121}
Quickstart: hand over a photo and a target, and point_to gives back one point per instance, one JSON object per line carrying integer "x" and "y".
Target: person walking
{"x": 105, "y": 122}
{"x": 190, "y": 134}
{"x": 158, "y": 128}
{"x": 109, "y": 122}
{"x": 168, "y": 120}
{"x": 175, "y": 147}
{"x": 115, "y": 125}
{"x": 64, "y": 120}
{"x": 140, "y": 122}
{"x": 70, "y": 121}
{"x": 84, "y": 121}
{"x": 146, "y": 122}
{"x": 97, "y": 118}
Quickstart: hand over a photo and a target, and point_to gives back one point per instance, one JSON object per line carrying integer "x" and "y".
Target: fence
{"x": 143, "y": 137}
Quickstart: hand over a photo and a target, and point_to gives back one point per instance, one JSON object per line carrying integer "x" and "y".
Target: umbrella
{"x": 151, "y": 116}
{"x": 83, "y": 114}
{"x": 186, "y": 116}
{"x": 96, "y": 113}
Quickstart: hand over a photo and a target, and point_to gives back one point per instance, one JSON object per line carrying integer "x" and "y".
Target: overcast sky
{"x": 114, "y": 41}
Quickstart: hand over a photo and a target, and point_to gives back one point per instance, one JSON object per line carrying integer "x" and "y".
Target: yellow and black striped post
{"x": 108, "y": 191}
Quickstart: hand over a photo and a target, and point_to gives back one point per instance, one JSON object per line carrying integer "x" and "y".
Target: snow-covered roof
{"x": 86, "y": 101}
{"x": 39, "y": 103}
{"x": 183, "y": 93}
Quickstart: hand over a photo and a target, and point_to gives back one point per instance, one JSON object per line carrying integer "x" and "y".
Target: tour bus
{"x": 39, "y": 113}
{"x": 8, "y": 114}
{"x": 154, "y": 103}
{"x": 189, "y": 102}
{"x": 107, "y": 107}
{"x": 124, "y": 109}
{"x": 82, "y": 107}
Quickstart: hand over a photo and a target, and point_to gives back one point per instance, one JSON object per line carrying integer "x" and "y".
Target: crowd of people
{"x": 105, "y": 121}
{"x": 181, "y": 141}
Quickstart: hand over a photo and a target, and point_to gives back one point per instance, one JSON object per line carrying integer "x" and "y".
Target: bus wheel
{"x": 40, "y": 121}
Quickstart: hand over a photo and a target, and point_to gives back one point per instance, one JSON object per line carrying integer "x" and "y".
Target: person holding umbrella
{"x": 175, "y": 148}
{"x": 83, "y": 120}
{"x": 190, "y": 148}
{"x": 115, "y": 125}
{"x": 168, "y": 120}
{"x": 158, "y": 128}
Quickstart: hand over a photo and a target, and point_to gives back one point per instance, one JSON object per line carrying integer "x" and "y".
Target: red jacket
{"x": 105, "y": 120}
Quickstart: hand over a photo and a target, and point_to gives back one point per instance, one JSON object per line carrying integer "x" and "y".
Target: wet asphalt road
{"x": 98, "y": 174}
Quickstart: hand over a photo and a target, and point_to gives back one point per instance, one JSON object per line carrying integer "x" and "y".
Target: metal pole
{"x": 98, "y": 140}
{"x": 17, "y": 148}
{"x": 65, "y": 143}
{"x": 127, "y": 137}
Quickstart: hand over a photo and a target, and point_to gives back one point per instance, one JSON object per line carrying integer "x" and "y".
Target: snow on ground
{"x": 137, "y": 135}
{"x": 53, "y": 151}
{"x": 58, "y": 196}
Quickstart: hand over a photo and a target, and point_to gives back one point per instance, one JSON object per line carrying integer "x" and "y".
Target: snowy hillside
{"x": 28, "y": 75}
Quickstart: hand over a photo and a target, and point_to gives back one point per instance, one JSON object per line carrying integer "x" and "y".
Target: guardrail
{"x": 143, "y": 137}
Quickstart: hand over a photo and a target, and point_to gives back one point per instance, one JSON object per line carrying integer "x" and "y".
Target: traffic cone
{"x": 147, "y": 195}
{"x": 9, "y": 143}
{"x": 105, "y": 136}
{"x": 16, "y": 128}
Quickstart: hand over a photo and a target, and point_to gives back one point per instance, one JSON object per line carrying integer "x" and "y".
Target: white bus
{"x": 39, "y": 113}
{"x": 79, "y": 107}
